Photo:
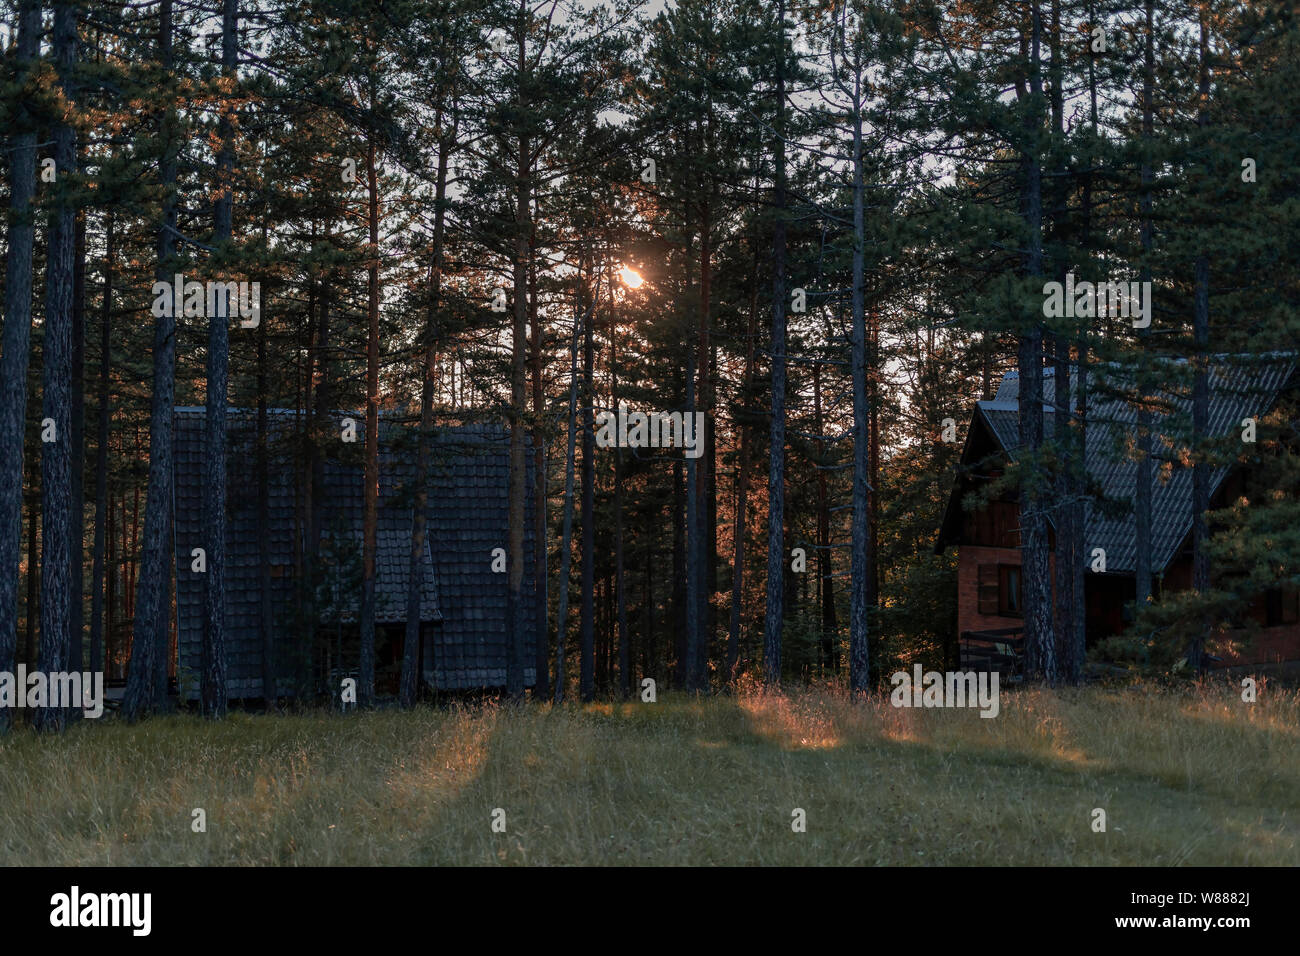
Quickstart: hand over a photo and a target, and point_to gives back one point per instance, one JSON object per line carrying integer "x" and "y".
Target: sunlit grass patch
{"x": 1185, "y": 775}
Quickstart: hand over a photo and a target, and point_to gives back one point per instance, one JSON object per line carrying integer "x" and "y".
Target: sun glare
{"x": 631, "y": 278}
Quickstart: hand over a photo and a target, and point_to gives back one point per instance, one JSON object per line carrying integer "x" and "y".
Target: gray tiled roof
{"x": 1238, "y": 389}
{"x": 462, "y": 599}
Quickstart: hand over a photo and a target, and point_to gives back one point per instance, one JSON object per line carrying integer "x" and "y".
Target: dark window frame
{"x": 1281, "y": 607}
{"x": 1007, "y": 607}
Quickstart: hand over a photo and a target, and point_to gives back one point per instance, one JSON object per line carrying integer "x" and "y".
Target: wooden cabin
{"x": 463, "y": 601}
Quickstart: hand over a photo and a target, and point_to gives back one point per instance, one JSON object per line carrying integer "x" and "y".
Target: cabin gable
{"x": 463, "y": 604}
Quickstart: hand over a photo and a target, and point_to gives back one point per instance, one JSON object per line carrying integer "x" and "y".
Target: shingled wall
{"x": 463, "y": 602}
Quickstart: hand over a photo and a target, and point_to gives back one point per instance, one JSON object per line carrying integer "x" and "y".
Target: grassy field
{"x": 1185, "y": 777}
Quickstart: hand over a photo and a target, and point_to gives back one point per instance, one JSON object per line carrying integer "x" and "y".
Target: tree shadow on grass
{"x": 720, "y": 780}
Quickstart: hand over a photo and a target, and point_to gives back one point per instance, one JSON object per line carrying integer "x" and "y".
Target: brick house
{"x": 987, "y": 536}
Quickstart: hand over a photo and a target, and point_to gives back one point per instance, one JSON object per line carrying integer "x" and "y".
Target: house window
{"x": 1282, "y": 606}
{"x": 999, "y": 590}
{"x": 1009, "y": 590}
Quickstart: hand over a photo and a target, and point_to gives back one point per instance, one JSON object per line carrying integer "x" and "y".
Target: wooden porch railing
{"x": 1001, "y": 650}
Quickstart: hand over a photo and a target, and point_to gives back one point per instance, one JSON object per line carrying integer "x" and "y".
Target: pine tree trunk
{"x": 1080, "y": 518}
{"x": 304, "y": 563}
{"x": 1067, "y": 552}
{"x": 648, "y": 658}
{"x": 705, "y": 572}
{"x": 1201, "y": 466}
{"x": 212, "y": 679}
{"x": 742, "y": 487}
{"x": 620, "y": 599}
{"x": 1040, "y": 643}
{"x": 164, "y": 619}
{"x": 825, "y": 583}
{"x": 420, "y": 511}
{"x": 110, "y": 598}
{"x": 370, "y": 540}
{"x": 265, "y": 616}
{"x": 77, "y": 495}
{"x": 1142, "y": 493}
{"x": 1201, "y": 393}
{"x": 566, "y": 533}
{"x": 679, "y": 574}
{"x": 15, "y": 344}
{"x": 518, "y": 411}
{"x": 97, "y": 576}
{"x": 694, "y": 576}
{"x": 1079, "y": 630}
{"x": 710, "y": 440}
{"x": 316, "y": 464}
{"x": 541, "y": 628}
{"x": 1069, "y": 461}
{"x": 776, "y": 453}
{"x": 33, "y": 581}
{"x": 132, "y": 566}
{"x": 872, "y": 561}
{"x": 861, "y": 602}
{"x": 56, "y": 454}
{"x": 587, "y": 672}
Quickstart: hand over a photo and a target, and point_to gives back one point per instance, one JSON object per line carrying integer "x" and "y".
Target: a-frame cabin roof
{"x": 466, "y": 520}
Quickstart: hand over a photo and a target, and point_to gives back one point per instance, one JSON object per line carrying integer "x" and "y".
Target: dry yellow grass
{"x": 1185, "y": 777}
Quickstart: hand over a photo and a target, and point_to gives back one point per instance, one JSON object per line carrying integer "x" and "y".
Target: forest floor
{"x": 1185, "y": 776}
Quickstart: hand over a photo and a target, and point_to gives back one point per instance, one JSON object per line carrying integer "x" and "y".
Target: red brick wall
{"x": 1106, "y": 599}
{"x": 1271, "y": 645}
